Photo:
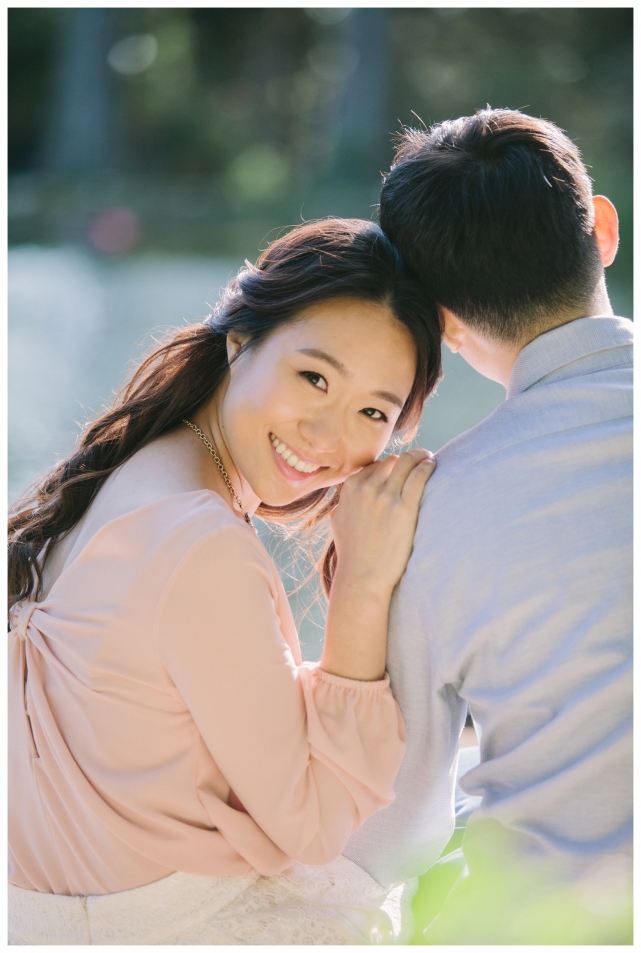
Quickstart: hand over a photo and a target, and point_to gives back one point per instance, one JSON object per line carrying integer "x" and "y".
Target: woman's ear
{"x": 235, "y": 341}
{"x": 606, "y": 228}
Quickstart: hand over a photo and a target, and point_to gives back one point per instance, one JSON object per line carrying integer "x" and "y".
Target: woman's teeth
{"x": 290, "y": 457}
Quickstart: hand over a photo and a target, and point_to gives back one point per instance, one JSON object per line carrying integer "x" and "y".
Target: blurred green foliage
{"x": 216, "y": 125}
{"x": 503, "y": 897}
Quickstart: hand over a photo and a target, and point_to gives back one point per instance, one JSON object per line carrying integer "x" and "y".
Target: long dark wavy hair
{"x": 332, "y": 258}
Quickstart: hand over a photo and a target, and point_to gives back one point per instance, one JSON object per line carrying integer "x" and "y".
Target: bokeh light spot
{"x": 174, "y": 42}
{"x": 133, "y": 54}
{"x": 328, "y": 16}
{"x": 429, "y": 76}
{"x": 563, "y": 63}
{"x": 259, "y": 172}
{"x": 333, "y": 62}
{"x": 114, "y": 231}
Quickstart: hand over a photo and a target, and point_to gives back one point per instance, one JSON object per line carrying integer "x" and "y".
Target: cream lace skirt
{"x": 334, "y": 904}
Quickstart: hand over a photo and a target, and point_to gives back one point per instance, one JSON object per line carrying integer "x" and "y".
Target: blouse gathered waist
{"x": 162, "y": 672}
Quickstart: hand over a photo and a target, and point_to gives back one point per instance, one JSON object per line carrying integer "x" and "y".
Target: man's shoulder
{"x": 518, "y": 423}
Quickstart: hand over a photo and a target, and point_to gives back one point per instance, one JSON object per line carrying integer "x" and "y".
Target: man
{"x": 517, "y": 598}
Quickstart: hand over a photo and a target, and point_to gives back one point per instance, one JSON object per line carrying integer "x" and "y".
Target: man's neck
{"x": 495, "y": 359}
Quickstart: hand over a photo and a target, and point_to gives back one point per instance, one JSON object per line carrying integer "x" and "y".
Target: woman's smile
{"x": 293, "y": 465}
{"x": 326, "y": 390}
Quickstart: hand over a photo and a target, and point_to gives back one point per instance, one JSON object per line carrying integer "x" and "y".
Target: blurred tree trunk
{"x": 78, "y": 136}
{"x": 365, "y": 140}
{"x": 268, "y": 59}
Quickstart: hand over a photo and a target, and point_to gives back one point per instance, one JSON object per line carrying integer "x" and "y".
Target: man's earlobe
{"x": 606, "y": 228}
{"x": 452, "y": 344}
{"x": 450, "y": 329}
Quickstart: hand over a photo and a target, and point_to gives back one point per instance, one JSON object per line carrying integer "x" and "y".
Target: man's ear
{"x": 606, "y": 228}
{"x": 452, "y": 328}
{"x": 234, "y": 343}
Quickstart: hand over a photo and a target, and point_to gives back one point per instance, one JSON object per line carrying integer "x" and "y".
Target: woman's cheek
{"x": 362, "y": 458}
{"x": 285, "y": 401}
{"x": 375, "y": 446}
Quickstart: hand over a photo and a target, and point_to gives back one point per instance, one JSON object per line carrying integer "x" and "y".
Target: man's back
{"x": 517, "y": 601}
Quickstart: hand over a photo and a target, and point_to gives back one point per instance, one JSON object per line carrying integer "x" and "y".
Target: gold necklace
{"x": 223, "y": 472}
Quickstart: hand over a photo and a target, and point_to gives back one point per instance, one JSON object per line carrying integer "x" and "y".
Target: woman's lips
{"x": 282, "y": 462}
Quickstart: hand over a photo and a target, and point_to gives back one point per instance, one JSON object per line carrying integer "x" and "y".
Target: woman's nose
{"x": 324, "y": 433}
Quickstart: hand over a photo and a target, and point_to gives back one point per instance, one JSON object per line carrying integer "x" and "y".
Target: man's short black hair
{"x": 494, "y": 213}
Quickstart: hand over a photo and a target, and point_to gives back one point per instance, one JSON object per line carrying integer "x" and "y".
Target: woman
{"x": 176, "y": 770}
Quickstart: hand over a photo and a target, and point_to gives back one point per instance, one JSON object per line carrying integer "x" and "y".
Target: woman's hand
{"x": 375, "y": 521}
{"x": 374, "y": 526}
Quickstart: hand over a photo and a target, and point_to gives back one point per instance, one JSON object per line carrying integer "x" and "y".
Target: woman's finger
{"x": 405, "y": 464}
{"x": 381, "y": 469}
{"x": 376, "y": 472}
{"x": 412, "y": 491}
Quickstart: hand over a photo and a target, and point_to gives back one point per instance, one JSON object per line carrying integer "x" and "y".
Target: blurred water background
{"x": 152, "y": 150}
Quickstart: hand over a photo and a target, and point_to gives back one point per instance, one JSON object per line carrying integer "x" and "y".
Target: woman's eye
{"x": 316, "y": 379}
{"x": 374, "y": 414}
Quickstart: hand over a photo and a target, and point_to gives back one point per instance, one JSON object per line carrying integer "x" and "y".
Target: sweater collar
{"x": 565, "y": 346}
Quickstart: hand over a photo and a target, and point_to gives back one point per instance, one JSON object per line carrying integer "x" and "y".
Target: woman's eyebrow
{"x": 392, "y": 398}
{"x": 324, "y": 356}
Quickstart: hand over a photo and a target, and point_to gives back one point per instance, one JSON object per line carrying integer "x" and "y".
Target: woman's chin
{"x": 281, "y": 499}
{"x": 287, "y": 488}
{"x": 284, "y": 496}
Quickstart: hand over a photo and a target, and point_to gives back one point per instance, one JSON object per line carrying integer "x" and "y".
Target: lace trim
{"x": 336, "y": 904}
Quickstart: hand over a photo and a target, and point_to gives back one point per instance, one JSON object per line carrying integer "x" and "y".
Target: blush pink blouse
{"x": 161, "y": 673}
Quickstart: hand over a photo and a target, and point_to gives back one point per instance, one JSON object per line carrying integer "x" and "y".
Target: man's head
{"x": 495, "y": 214}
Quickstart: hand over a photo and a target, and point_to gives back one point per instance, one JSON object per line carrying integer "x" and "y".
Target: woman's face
{"x": 318, "y": 399}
